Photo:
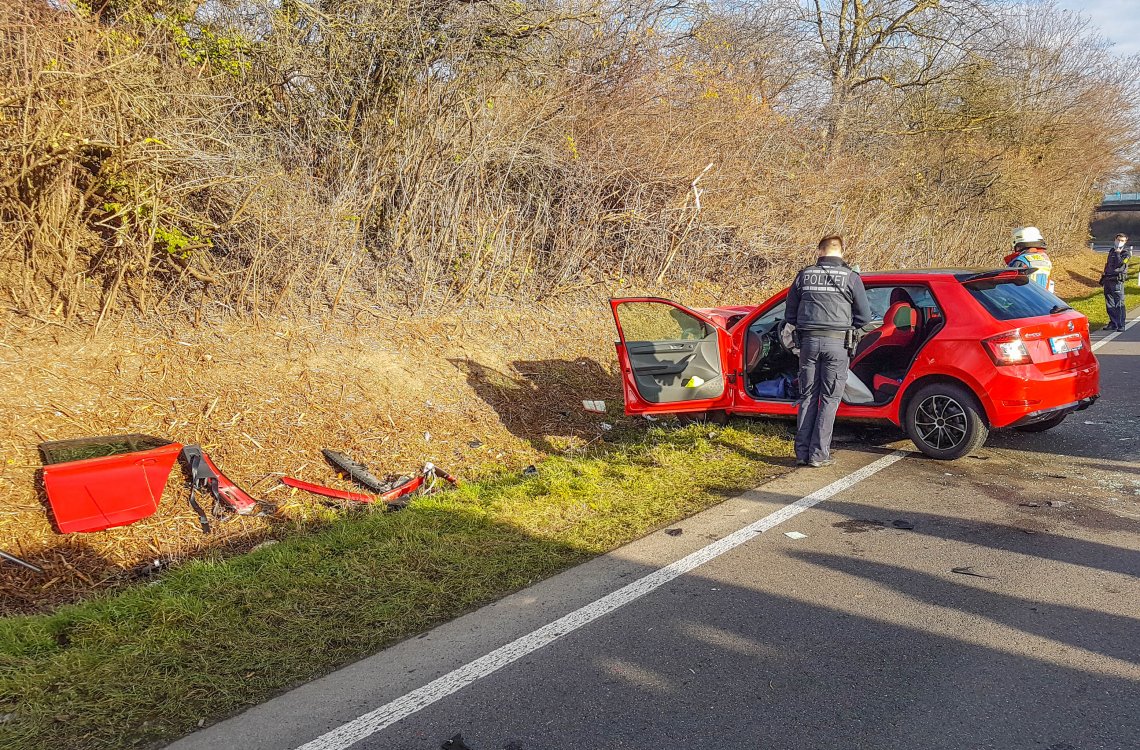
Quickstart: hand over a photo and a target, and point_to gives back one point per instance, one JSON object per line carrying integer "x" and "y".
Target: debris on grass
{"x": 594, "y": 407}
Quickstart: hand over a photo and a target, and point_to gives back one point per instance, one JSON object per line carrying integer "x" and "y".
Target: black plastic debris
{"x": 148, "y": 569}
{"x": 674, "y": 532}
{"x": 900, "y": 524}
{"x": 355, "y": 470}
{"x": 968, "y": 570}
{"x": 1030, "y": 505}
{"x": 455, "y": 743}
{"x": 530, "y": 471}
{"x": 475, "y": 443}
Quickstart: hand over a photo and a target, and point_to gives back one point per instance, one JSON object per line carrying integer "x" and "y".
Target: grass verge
{"x": 215, "y": 636}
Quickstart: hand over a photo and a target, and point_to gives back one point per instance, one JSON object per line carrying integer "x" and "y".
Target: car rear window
{"x": 1010, "y": 299}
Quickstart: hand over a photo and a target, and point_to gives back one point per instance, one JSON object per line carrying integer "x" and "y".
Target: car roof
{"x": 955, "y": 272}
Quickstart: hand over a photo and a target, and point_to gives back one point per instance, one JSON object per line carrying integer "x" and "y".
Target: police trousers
{"x": 823, "y": 376}
{"x": 1114, "y": 303}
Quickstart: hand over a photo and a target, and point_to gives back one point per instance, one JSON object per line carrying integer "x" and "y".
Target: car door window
{"x": 879, "y": 298}
{"x": 654, "y": 321}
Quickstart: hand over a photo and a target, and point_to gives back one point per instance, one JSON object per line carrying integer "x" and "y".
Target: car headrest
{"x": 899, "y": 294}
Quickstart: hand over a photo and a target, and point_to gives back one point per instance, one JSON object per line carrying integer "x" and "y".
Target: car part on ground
{"x": 317, "y": 489}
{"x": 93, "y": 484}
{"x": 355, "y": 470}
{"x": 20, "y": 562}
{"x": 396, "y": 493}
{"x": 204, "y": 476}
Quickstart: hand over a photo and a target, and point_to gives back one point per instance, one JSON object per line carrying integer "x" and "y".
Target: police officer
{"x": 826, "y": 303}
{"x": 1115, "y": 272}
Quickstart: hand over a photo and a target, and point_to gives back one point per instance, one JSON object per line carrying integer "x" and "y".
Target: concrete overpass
{"x": 1120, "y": 202}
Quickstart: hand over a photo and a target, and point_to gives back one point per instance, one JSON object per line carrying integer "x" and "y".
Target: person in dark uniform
{"x": 826, "y": 303}
{"x": 1115, "y": 273}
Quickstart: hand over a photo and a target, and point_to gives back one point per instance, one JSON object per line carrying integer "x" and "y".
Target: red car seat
{"x": 898, "y": 332}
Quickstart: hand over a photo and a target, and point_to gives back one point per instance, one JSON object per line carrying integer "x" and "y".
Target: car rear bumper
{"x": 1021, "y": 396}
{"x": 1056, "y": 411}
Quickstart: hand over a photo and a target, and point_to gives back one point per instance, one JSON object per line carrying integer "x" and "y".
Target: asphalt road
{"x": 858, "y": 635}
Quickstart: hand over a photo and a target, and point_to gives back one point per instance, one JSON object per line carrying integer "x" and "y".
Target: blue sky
{"x": 1119, "y": 19}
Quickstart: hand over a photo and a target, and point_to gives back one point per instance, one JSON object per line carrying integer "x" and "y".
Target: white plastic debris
{"x": 795, "y": 535}
{"x": 594, "y": 407}
{"x": 606, "y": 426}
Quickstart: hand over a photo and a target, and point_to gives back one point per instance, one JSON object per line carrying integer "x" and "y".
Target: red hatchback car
{"x": 956, "y": 354}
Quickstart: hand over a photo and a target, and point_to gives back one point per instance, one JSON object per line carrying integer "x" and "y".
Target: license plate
{"x": 1074, "y": 342}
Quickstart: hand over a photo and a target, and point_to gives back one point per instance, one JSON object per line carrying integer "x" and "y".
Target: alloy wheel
{"x": 941, "y": 422}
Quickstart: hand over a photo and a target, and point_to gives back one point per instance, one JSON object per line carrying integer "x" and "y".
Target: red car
{"x": 956, "y": 354}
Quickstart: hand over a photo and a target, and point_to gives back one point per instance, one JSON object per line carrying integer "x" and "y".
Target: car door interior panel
{"x": 670, "y": 371}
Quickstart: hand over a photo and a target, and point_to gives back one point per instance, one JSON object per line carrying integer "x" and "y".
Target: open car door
{"x": 672, "y": 359}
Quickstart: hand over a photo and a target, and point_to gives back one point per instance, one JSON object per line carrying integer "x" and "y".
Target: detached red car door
{"x": 672, "y": 359}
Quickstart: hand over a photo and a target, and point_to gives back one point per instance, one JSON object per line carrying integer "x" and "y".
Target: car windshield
{"x": 1011, "y": 299}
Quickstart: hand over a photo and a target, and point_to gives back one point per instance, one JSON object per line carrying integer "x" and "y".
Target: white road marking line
{"x": 1114, "y": 334}
{"x": 372, "y": 722}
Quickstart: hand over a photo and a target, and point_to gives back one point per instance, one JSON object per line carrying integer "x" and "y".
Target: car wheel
{"x": 945, "y": 421}
{"x": 1044, "y": 424}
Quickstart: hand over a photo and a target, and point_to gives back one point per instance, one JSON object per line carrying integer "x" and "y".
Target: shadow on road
{"x": 1093, "y": 555}
{"x": 1076, "y": 626}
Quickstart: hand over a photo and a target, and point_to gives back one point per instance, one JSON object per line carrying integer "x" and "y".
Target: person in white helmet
{"x": 1029, "y": 252}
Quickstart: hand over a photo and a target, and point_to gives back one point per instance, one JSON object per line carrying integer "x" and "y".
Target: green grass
{"x": 1092, "y": 304}
{"x": 212, "y": 637}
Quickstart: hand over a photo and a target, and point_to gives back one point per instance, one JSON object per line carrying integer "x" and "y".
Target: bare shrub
{"x": 260, "y": 156}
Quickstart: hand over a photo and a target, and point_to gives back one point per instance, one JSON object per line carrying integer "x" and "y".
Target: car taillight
{"x": 1007, "y": 349}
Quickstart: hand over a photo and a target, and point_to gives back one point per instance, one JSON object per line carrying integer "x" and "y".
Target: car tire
{"x": 945, "y": 421}
{"x": 1044, "y": 424}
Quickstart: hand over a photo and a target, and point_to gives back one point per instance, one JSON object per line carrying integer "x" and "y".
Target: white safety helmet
{"x": 1028, "y": 237}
